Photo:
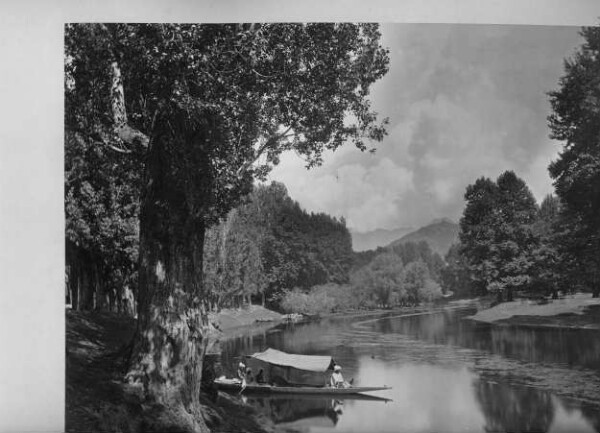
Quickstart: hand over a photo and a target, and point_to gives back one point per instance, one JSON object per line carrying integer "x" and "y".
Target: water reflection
{"x": 447, "y": 375}
{"x": 570, "y": 347}
{"x": 300, "y": 412}
{"x": 512, "y": 409}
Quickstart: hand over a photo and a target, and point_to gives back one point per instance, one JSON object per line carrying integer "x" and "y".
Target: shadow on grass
{"x": 97, "y": 399}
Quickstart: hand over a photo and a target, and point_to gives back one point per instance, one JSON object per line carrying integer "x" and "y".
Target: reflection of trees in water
{"x": 572, "y": 347}
{"x": 233, "y": 348}
{"x": 437, "y": 327}
{"x": 592, "y": 415}
{"x": 514, "y": 409}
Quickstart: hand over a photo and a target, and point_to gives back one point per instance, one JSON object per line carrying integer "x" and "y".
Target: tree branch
{"x": 116, "y": 149}
{"x": 124, "y": 131}
{"x": 273, "y": 140}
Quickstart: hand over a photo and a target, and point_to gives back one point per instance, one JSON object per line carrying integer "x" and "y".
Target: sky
{"x": 32, "y": 370}
{"x": 464, "y": 101}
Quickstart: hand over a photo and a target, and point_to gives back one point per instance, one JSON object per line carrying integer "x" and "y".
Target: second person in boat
{"x": 337, "y": 380}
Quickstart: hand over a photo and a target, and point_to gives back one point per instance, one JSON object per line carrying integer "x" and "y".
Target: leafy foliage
{"x": 455, "y": 277}
{"x": 496, "y": 236}
{"x": 575, "y": 120}
{"x": 219, "y": 104}
{"x": 261, "y": 89}
{"x": 547, "y": 272}
{"x": 101, "y": 214}
{"x": 399, "y": 275}
{"x": 275, "y": 245}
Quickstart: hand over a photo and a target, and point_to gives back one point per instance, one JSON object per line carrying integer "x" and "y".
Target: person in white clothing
{"x": 337, "y": 380}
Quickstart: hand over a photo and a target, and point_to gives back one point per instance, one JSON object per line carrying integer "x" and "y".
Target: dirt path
{"x": 94, "y": 397}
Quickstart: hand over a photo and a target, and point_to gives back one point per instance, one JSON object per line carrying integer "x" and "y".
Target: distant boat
{"x": 285, "y": 373}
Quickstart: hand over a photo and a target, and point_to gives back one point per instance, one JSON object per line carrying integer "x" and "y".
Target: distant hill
{"x": 439, "y": 234}
{"x": 376, "y": 238}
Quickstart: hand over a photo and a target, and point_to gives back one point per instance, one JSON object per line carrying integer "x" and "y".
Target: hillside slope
{"x": 440, "y": 235}
{"x": 376, "y": 238}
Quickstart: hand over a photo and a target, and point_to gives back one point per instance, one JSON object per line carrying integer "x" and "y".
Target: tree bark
{"x": 173, "y": 330}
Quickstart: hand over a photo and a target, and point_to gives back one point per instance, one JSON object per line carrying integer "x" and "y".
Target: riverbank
{"x": 231, "y": 318}
{"x": 578, "y": 311}
{"x": 97, "y": 399}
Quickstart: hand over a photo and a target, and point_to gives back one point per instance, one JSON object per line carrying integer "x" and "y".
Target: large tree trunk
{"x": 173, "y": 330}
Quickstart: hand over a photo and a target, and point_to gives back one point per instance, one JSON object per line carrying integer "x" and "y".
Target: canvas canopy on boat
{"x": 290, "y": 369}
{"x": 301, "y": 362}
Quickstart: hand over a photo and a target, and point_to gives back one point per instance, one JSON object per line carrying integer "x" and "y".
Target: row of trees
{"x": 507, "y": 242}
{"x": 404, "y": 274}
{"x": 388, "y": 281}
{"x": 268, "y": 244}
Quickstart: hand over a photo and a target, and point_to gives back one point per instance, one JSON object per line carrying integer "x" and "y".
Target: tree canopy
{"x": 261, "y": 89}
{"x": 496, "y": 232}
{"x": 575, "y": 120}
{"x": 275, "y": 245}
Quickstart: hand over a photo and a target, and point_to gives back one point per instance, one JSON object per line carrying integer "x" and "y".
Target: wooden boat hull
{"x": 302, "y": 397}
{"x": 235, "y": 385}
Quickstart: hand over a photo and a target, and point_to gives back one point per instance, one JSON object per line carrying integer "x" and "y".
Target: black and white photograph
{"x": 324, "y": 224}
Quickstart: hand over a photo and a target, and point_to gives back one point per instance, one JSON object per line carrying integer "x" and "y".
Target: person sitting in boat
{"x": 337, "y": 380}
{"x": 241, "y": 371}
{"x": 260, "y": 377}
{"x": 249, "y": 376}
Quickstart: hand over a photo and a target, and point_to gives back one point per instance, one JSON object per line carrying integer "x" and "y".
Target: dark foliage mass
{"x": 102, "y": 192}
{"x": 496, "y": 233}
{"x": 251, "y": 90}
{"x": 575, "y": 121}
{"x": 270, "y": 244}
{"x": 506, "y": 242}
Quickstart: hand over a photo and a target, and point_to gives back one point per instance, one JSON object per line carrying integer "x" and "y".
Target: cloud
{"x": 367, "y": 196}
{"x": 464, "y": 102}
{"x": 536, "y": 176}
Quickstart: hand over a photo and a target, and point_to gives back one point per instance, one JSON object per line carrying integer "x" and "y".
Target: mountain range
{"x": 440, "y": 234}
{"x": 377, "y": 238}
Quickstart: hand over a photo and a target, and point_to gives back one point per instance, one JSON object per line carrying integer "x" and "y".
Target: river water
{"x": 448, "y": 374}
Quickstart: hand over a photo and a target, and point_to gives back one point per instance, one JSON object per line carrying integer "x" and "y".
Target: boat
{"x": 318, "y": 397}
{"x": 236, "y": 385}
{"x": 285, "y": 373}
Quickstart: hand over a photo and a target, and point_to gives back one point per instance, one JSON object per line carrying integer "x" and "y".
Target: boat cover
{"x": 300, "y": 362}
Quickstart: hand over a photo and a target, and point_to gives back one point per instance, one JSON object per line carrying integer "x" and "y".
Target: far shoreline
{"x": 577, "y": 311}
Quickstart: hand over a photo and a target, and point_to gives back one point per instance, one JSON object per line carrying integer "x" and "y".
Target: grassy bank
{"x": 97, "y": 400}
{"x": 573, "y": 311}
{"x": 229, "y": 319}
